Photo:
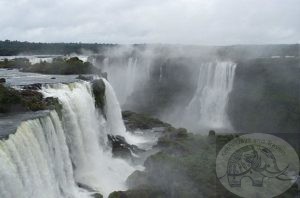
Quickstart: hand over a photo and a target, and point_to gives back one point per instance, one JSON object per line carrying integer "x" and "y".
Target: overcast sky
{"x": 202, "y": 22}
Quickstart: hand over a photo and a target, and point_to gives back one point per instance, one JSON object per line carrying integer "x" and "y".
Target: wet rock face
{"x": 94, "y": 194}
{"x": 2, "y": 80}
{"x": 35, "y": 86}
{"x": 120, "y": 148}
{"x": 99, "y": 92}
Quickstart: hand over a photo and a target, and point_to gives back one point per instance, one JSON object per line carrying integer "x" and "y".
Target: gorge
{"x": 103, "y": 129}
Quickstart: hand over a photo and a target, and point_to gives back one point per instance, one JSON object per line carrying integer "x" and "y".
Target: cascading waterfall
{"x": 207, "y": 108}
{"x": 86, "y": 132}
{"x": 113, "y": 111}
{"x": 114, "y": 118}
{"x": 46, "y": 157}
{"x": 35, "y": 161}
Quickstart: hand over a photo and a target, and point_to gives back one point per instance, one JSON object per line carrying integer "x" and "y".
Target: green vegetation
{"x": 57, "y": 66}
{"x": 63, "y": 66}
{"x": 10, "y": 48}
{"x": 12, "y": 100}
{"x": 184, "y": 167}
{"x": 141, "y": 121}
{"x": 14, "y": 63}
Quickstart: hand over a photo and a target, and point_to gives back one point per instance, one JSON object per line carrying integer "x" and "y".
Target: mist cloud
{"x": 207, "y": 22}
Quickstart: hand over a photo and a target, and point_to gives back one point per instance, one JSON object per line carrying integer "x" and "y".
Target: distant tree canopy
{"x": 10, "y": 48}
{"x": 235, "y": 52}
{"x": 58, "y": 66}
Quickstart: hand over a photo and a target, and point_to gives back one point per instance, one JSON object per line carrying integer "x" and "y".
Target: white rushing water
{"x": 207, "y": 108}
{"x": 113, "y": 111}
{"x": 33, "y": 59}
{"x": 86, "y": 132}
{"x": 46, "y": 157}
{"x": 35, "y": 161}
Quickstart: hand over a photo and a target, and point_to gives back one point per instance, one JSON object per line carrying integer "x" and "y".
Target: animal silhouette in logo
{"x": 255, "y": 162}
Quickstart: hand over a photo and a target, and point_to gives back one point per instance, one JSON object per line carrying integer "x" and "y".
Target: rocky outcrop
{"x": 35, "y": 86}
{"x": 135, "y": 121}
{"x": 141, "y": 193}
{"x": 2, "y": 80}
{"x": 120, "y": 148}
{"x": 12, "y": 100}
{"x": 184, "y": 167}
{"x": 94, "y": 193}
{"x": 99, "y": 93}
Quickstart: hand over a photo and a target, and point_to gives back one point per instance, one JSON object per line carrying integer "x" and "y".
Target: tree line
{"x": 11, "y": 48}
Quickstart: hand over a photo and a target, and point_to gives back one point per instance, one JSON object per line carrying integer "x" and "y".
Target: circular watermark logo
{"x": 257, "y": 165}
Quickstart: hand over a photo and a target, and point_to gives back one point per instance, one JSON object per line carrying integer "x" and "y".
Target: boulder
{"x": 2, "y": 80}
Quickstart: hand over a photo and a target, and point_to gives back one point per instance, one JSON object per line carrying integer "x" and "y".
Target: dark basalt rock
{"x": 35, "y": 86}
{"x": 97, "y": 195}
{"x": 120, "y": 148}
{"x": 90, "y": 189}
{"x": 140, "y": 193}
{"x": 135, "y": 121}
{"x": 2, "y": 80}
{"x": 99, "y": 93}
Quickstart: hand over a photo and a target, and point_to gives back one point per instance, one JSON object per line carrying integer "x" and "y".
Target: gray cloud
{"x": 208, "y": 22}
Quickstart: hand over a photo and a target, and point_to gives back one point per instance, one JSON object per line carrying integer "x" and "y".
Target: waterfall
{"x": 46, "y": 157}
{"x": 86, "y": 132}
{"x": 207, "y": 108}
{"x": 35, "y": 161}
{"x": 113, "y": 111}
